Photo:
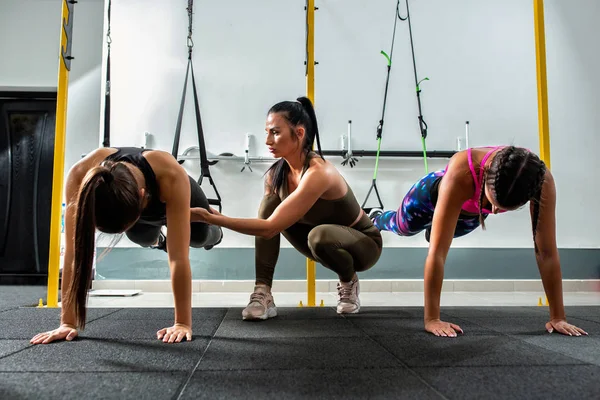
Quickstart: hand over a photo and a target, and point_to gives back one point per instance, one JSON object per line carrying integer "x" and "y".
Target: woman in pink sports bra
{"x": 452, "y": 202}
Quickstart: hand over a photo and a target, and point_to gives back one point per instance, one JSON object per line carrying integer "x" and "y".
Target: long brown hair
{"x": 109, "y": 200}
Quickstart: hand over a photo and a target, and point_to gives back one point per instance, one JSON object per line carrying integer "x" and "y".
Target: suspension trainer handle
{"x": 204, "y": 164}
{"x": 373, "y": 187}
{"x": 214, "y": 202}
{"x": 422, "y": 123}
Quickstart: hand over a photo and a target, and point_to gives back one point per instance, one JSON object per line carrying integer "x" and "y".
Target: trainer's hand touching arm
{"x": 312, "y": 186}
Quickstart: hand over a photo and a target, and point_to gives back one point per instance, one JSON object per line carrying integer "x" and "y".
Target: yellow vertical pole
{"x": 64, "y": 66}
{"x": 542, "y": 87}
{"x": 311, "y": 268}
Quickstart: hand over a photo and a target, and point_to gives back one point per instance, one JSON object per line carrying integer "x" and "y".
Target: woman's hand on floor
{"x": 441, "y": 328}
{"x": 67, "y": 332}
{"x": 562, "y": 326}
{"x": 175, "y": 333}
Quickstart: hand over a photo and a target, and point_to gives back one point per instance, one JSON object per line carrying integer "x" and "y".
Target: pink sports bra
{"x": 472, "y": 205}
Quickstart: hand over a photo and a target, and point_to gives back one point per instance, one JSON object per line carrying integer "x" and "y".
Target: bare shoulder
{"x": 458, "y": 166}
{"x": 325, "y": 176}
{"x": 160, "y": 156}
{"x": 548, "y": 177}
{"x": 549, "y": 185}
{"x": 164, "y": 165}
{"x": 458, "y": 175}
{"x": 91, "y": 160}
{"x": 323, "y": 168}
{"x": 170, "y": 175}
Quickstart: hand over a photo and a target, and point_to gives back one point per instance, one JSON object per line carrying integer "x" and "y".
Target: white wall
{"x": 480, "y": 59}
{"x": 479, "y": 56}
{"x": 32, "y": 30}
{"x": 573, "y": 86}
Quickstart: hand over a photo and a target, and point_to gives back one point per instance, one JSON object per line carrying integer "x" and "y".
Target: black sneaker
{"x": 374, "y": 213}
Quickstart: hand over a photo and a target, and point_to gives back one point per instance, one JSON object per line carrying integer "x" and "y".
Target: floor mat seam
{"x": 104, "y": 316}
{"x": 401, "y": 367}
{"x": 180, "y": 390}
{"x": 16, "y": 351}
{"x": 402, "y": 363}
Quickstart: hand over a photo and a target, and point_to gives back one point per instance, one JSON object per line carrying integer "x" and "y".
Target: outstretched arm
{"x": 176, "y": 193}
{"x": 546, "y": 255}
{"x": 450, "y": 199}
{"x": 312, "y": 186}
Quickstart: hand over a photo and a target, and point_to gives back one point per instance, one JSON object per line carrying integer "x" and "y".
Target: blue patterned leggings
{"x": 416, "y": 212}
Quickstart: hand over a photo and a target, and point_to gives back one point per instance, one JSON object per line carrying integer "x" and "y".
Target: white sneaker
{"x": 261, "y": 305}
{"x": 348, "y": 301}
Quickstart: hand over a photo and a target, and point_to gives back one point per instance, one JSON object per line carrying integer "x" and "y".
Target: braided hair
{"x": 515, "y": 177}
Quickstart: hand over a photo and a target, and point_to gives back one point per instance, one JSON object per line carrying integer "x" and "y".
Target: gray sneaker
{"x": 348, "y": 301}
{"x": 261, "y": 305}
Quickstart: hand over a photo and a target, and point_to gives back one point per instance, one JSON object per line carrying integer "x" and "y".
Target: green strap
{"x": 419, "y": 83}
{"x": 377, "y": 159}
{"x": 388, "y": 58}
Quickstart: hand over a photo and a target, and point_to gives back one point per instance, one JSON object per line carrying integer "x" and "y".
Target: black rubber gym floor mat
{"x": 382, "y": 352}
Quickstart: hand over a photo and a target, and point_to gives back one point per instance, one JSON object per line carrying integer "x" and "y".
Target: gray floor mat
{"x": 382, "y": 352}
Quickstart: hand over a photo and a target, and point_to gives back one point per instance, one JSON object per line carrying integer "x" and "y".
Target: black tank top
{"x": 155, "y": 211}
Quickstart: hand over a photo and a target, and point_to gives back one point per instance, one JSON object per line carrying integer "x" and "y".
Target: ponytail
{"x": 299, "y": 112}
{"x": 313, "y": 130}
{"x": 85, "y": 228}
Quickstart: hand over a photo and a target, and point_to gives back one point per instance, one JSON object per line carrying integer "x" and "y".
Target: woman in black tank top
{"x": 310, "y": 204}
{"x": 117, "y": 190}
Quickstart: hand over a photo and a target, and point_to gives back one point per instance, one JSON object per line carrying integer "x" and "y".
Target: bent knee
{"x": 204, "y": 235}
{"x": 320, "y": 238}
{"x": 268, "y": 206}
{"x": 142, "y": 240}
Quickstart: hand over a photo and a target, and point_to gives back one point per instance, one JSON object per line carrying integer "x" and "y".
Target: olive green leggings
{"x": 339, "y": 248}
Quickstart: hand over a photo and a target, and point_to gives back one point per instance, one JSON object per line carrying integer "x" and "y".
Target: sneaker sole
{"x": 271, "y": 312}
{"x": 349, "y": 312}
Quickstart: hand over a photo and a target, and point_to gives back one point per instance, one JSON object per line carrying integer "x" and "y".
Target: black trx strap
{"x": 422, "y": 123}
{"x": 106, "y": 142}
{"x": 380, "y": 126}
{"x": 204, "y": 166}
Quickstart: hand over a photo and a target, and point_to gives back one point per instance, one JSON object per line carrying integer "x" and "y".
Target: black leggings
{"x": 145, "y": 233}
